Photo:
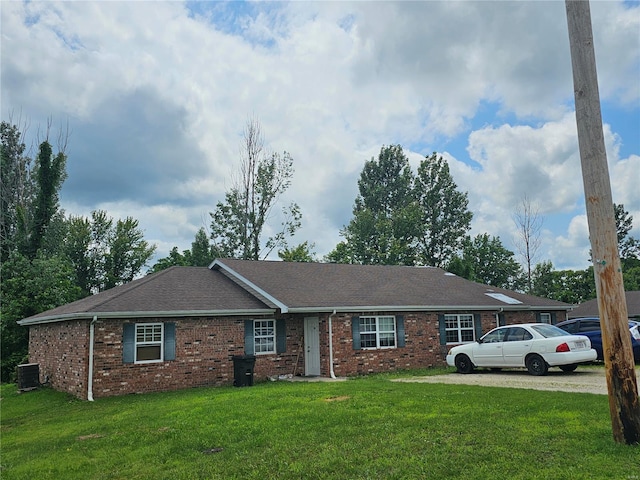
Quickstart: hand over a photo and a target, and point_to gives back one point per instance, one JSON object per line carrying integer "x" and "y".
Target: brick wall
{"x": 62, "y": 351}
{"x": 204, "y": 357}
{"x": 205, "y": 348}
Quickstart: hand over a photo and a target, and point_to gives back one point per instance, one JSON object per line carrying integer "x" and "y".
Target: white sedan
{"x": 536, "y": 346}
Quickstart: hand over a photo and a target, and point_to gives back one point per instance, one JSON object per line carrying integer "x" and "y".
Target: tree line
{"x": 398, "y": 218}
{"x": 50, "y": 258}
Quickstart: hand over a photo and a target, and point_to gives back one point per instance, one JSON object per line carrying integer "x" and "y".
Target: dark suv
{"x": 590, "y": 327}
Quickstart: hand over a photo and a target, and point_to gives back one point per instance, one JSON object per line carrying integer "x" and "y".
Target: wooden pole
{"x": 616, "y": 340}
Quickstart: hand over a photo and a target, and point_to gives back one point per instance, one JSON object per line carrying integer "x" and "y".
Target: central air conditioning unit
{"x": 28, "y": 376}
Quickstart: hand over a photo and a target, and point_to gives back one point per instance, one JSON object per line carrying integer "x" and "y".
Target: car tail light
{"x": 563, "y": 347}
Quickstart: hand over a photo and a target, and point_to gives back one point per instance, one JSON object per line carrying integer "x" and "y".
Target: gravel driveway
{"x": 583, "y": 380}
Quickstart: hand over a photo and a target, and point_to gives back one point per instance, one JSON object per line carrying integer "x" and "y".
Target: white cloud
{"x": 157, "y": 97}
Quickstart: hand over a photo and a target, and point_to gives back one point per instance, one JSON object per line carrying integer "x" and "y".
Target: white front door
{"x": 311, "y": 346}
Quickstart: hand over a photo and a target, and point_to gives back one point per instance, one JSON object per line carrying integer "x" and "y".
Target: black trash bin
{"x": 243, "y": 370}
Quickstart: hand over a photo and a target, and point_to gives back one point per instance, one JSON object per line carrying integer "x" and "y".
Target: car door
{"x": 518, "y": 343}
{"x": 488, "y": 351}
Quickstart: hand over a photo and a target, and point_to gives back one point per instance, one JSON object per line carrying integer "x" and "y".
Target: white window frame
{"x": 260, "y": 334}
{"x": 146, "y": 336}
{"x": 545, "y": 317}
{"x": 374, "y": 329}
{"x": 461, "y": 324}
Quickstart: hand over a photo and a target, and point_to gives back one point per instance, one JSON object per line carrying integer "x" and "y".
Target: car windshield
{"x": 549, "y": 331}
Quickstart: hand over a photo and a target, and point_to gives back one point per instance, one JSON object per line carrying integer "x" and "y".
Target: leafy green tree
{"x": 383, "y": 228}
{"x": 628, "y": 246}
{"x": 49, "y": 175}
{"x": 444, "y": 215}
{"x": 485, "y": 260}
{"x": 15, "y": 189}
{"x": 29, "y": 287}
{"x": 103, "y": 254}
{"x": 301, "y": 253}
{"x": 174, "y": 259}
{"x": 202, "y": 252}
{"x": 239, "y": 222}
{"x": 128, "y": 253}
{"x": 571, "y": 286}
{"x": 340, "y": 254}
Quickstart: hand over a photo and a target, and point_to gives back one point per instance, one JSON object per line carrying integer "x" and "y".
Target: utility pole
{"x": 616, "y": 341}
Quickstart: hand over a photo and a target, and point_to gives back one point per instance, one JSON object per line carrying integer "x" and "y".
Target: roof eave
{"x": 144, "y": 314}
{"x": 425, "y": 308}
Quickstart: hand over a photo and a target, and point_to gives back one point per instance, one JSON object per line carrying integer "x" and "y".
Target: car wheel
{"x": 463, "y": 364}
{"x": 568, "y": 368}
{"x": 536, "y": 365}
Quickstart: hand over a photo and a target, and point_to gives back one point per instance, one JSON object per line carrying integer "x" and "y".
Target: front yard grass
{"x": 366, "y": 428}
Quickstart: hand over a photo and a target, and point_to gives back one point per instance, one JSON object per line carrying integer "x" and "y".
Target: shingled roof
{"x": 293, "y": 287}
{"x": 590, "y": 307}
{"x": 176, "y": 291}
{"x": 244, "y": 287}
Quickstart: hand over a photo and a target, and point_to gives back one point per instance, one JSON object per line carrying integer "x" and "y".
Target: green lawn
{"x": 367, "y": 428}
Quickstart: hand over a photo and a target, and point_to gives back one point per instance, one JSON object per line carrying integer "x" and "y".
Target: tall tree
{"x": 49, "y": 175}
{"x": 383, "y": 227}
{"x": 628, "y": 246}
{"x": 570, "y": 286}
{"x": 529, "y": 226}
{"x": 15, "y": 189}
{"x": 128, "y": 253}
{"x": 485, "y": 260}
{"x": 238, "y": 223}
{"x": 444, "y": 215}
{"x": 103, "y": 254}
{"x": 202, "y": 252}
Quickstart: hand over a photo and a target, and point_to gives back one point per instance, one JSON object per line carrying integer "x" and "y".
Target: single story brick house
{"x": 182, "y": 327}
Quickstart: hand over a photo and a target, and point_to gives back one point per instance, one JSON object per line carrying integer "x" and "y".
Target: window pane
{"x": 386, "y": 324}
{"x": 367, "y": 324}
{"x": 452, "y": 336}
{"x": 467, "y": 335}
{"x": 368, "y": 340}
{"x": 264, "y": 332}
{"x": 387, "y": 340}
{"x": 149, "y": 352}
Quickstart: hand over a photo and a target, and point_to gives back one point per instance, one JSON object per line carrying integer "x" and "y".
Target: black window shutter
{"x": 169, "y": 341}
{"x": 281, "y": 336}
{"x": 554, "y": 319}
{"x": 400, "y": 330}
{"x": 128, "y": 343}
{"x": 355, "y": 332}
{"x": 477, "y": 324}
{"x": 249, "y": 348}
{"x": 538, "y": 319}
{"x": 502, "y": 320}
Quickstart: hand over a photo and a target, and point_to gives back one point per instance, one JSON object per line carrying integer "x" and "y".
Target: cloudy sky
{"x": 156, "y": 96}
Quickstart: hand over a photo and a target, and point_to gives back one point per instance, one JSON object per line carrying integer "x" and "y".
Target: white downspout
{"x": 498, "y": 317}
{"x": 90, "y": 377}
{"x": 331, "y": 372}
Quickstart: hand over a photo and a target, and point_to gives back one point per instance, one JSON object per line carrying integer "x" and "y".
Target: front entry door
{"x": 311, "y": 346}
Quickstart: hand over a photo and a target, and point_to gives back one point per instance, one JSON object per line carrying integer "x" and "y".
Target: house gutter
{"x": 90, "y": 376}
{"x": 331, "y": 372}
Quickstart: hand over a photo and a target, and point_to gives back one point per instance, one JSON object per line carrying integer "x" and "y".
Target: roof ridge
{"x": 138, "y": 283}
